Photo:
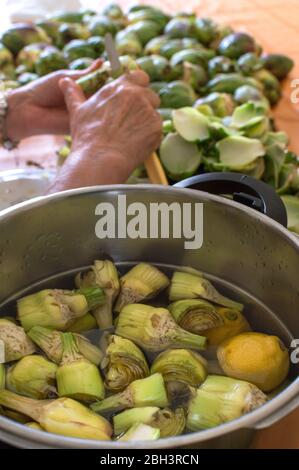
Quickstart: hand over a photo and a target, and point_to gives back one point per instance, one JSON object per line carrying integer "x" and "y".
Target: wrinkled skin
{"x": 39, "y": 107}
{"x": 99, "y": 132}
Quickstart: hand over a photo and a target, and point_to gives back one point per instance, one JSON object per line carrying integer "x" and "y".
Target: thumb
{"x": 73, "y": 95}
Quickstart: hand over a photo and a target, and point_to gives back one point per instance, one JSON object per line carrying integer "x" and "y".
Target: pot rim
{"x": 246, "y": 421}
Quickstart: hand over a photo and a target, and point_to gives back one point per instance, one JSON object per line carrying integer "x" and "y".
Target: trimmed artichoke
{"x": 16, "y": 342}
{"x": 51, "y": 344}
{"x": 76, "y": 376}
{"x": 32, "y": 376}
{"x": 221, "y": 399}
{"x": 181, "y": 365}
{"x": 192, "y": 286}
{"x": 142, "y": 282}
{"x": 154, "y": 329}
{"x": 63, "y": 416}
{"x": 144, "y": 392}
{"x": 170, "y": 423}
{"x": 125, "y": 363}
{"x": 103, "y": 274}
{"x": 195, "y": 315}
{"x": 56, "y": 308}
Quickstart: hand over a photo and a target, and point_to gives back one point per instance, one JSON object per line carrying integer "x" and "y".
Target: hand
{"x": 112, "y": 132}
{"x": 39, "y": 107}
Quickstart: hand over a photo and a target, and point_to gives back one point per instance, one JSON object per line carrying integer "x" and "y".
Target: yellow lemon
{"x": 233, "y": 324}
{"x": 258, "y": 358}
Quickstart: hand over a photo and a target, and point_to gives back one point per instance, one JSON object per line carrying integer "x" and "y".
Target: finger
{"x": 73, "y": 95}
{"x": 138, "y": 77}
{"x": 152, "y": 97}
{"x": 75, "y": 74}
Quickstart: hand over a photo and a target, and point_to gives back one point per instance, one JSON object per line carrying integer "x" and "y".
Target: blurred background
{"x": 273, "y": 22}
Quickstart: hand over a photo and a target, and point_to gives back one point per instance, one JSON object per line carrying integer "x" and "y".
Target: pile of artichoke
{"x": 144, "y": 376}
{"x": 222, "y": 78}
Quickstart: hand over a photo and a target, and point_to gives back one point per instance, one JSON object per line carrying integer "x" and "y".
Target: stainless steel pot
{"x": 44, "y": 237}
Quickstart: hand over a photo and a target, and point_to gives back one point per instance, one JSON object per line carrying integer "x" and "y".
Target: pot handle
{"x": 244, "y": 189}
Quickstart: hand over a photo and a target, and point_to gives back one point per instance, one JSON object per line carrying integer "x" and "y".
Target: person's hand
{"x": 112, "y": 132}
{"x": 39, "y": 107}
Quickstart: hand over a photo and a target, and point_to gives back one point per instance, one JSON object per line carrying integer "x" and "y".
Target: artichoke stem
{"x": 94, "y": 296}
{"x": 103, "y": 316}
{"x": 28, "y": 406}
{"x": 143, "y": 392}
{"x": 187, "y": 339}
{"x": 115, "y": 402}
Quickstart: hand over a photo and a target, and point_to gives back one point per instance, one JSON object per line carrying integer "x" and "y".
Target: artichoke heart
{"x": 76, "y": 376}
{"x": 142, "y": 282}
{"x": 150, "y": 391}
{"x": 170, "y": 423}
{"x": 192, "y": 286}
{"x": 154, "y": 329}
{"x": 103, "y": 274}
{"x": 56, "y": 308}
{"x": 32, "y": 376}
{"x": 181, "y": 365}
{"x": 125, "y": 363}
{"x": 16, "y": 342}
{"x": 50, "y": 342}
{"x": 62, "y": 416}
{"x": 195, "y": 315}
{"x": 221, "y": 399}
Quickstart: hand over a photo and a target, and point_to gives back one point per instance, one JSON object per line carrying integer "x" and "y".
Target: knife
{"x": 152, "y": 164}
{"x": 112, "y": 54}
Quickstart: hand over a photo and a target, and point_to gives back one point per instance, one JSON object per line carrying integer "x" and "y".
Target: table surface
{"x": 275, "y": 24}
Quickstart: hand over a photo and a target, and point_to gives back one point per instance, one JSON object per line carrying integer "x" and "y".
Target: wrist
{"x": 90, "y": 166}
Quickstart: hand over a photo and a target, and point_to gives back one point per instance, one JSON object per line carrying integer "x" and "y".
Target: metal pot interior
{"x": 251, "y": 259}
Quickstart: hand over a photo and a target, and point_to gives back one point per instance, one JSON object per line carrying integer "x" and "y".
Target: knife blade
{"x": 112, "y": 54}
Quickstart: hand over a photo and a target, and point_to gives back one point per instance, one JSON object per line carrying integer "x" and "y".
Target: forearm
{"x": 91, "y": 168}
